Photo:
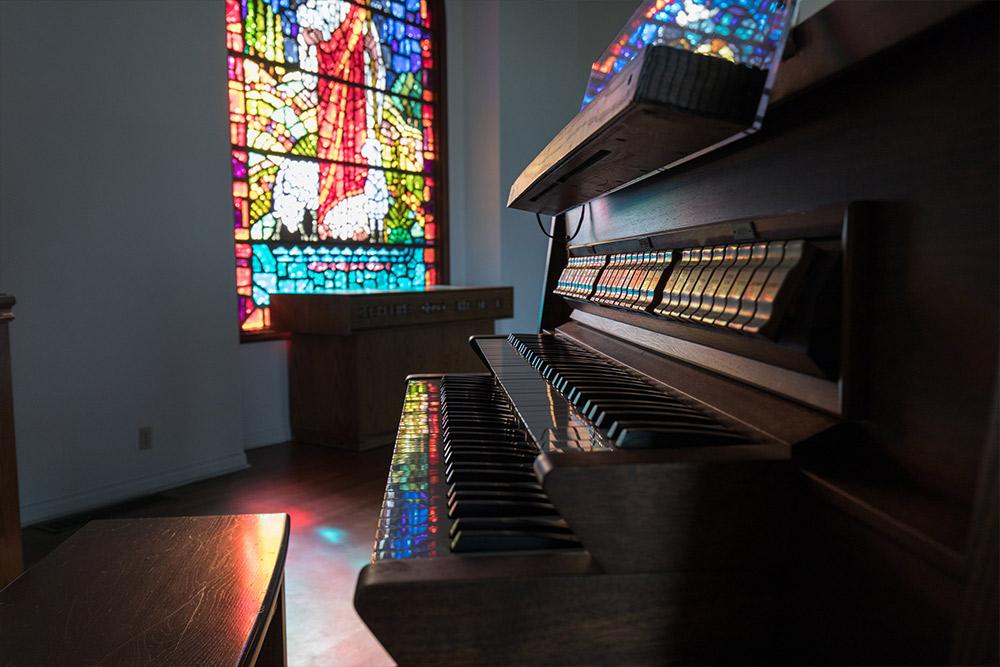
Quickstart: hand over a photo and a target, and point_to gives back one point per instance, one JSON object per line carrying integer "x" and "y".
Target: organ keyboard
{"x": 736, "y": 442}
{"x": 588, "y": 462}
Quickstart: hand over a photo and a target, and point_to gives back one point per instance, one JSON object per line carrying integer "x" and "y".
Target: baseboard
{"x": 266, "y": 437}
{"x": 80, "y": 502}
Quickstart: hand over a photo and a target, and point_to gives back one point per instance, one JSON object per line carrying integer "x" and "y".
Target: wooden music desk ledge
{"x": 352, "y": 350}
{"x": 174, "y": 591}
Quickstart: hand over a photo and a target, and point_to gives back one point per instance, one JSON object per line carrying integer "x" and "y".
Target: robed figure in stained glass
{"x": 332, "y": 127}
{"x": 337, "y": 39}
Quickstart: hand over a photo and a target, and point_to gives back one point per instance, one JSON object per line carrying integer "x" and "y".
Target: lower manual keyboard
{"x": 461, "y": 478}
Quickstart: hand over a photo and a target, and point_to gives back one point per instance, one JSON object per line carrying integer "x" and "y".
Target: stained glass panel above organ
{"x": 748, "y": 32}
{"x": 334, "y": 153}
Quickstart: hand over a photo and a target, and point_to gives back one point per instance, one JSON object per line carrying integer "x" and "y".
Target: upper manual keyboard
{"x": 623, "y": 407}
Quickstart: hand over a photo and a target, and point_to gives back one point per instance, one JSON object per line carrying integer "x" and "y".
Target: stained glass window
{"x": 749, "y": 32}
{"x": 334, "y": 154}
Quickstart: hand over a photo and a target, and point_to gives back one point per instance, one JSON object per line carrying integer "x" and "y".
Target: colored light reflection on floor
{"x": 332, "y": 535}
{"x": 301, "y": 518}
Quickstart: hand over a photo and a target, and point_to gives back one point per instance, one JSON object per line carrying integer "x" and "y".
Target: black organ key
{"x": 632, "y": 410}
{"x": 607, "y": 417}
{"x": 496, "y": 457}
{"x": 511, "y": 495}
{"x": 592, "y": 408}
{"x": 499, "y": 508}
{"x": 523, "y": 524}
{"x": 652, "y": 436}
{"x": 494, "y": 499}
{"x": 488, "y": 475}
{"x": 514, "y": 466}
{"x": 467, "y": 541}
{"x": 487, "y": 487}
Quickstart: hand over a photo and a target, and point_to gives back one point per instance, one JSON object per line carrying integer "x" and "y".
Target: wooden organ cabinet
{"x": 759, "y": 423}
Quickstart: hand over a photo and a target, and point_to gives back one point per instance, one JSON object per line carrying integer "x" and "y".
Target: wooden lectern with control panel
{"x": 352, "y": 350}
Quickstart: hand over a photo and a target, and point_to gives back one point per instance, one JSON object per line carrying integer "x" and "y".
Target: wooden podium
{"x": 352, "y": 350}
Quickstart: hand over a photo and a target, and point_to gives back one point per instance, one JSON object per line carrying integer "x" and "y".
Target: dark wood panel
{"x": 976, "y": 637}
{"x": 330, "y": 494}
{"x": 857, "y": 596}
{"x": 439, "y": 84}
{"x": 914, "y": 131}
{"x": 171, "y": 591}
{"x": 568, "y": 618}
{"x": 345, "y": 391}
{"x": 664, "y": 106}
{"x": 348, "y": 311}
{"x": 844, "y": 34}
{"x": 10, "y": 515}
{"x": 673, "y": 517}
{"x": 554, "y": 310}
{"x": 625, "y": 136}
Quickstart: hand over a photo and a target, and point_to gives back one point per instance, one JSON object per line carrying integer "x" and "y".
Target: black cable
{"x": 579, "y": 225}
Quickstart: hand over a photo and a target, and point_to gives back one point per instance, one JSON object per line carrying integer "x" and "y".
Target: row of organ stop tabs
{"x": 737, "y": 287}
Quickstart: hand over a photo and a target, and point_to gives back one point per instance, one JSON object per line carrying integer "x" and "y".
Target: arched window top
{"x": 334, "y": 147}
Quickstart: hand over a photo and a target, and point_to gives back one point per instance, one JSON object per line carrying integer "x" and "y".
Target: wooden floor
{"x": 333, "y": 498}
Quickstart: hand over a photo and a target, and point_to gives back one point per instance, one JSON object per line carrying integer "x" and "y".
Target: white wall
{"x": 517, "y": 72}
{"x": 547, "y": 49}
{"x": 264, "y": 397}
{"x": 114, "y": 239}
{"x": 473, "y": 43}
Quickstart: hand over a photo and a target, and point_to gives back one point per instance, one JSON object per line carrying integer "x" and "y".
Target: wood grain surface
{"x": 345, "y": 391}
{"x": 171, "y": 591}
{"x": 932, "y": 287}
{"x": 10, "y": 521}
{"x": 333, "y": 498}
{"x": 893, "y": 552}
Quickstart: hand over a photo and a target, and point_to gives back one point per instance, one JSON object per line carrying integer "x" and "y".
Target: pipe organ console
{"x": 752, "y": 432}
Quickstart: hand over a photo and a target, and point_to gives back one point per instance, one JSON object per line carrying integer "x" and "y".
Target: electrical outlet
{"x": 145, "y": 437}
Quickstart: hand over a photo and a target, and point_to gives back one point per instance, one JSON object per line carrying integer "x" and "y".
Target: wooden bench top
{"x": 170, "y": 591}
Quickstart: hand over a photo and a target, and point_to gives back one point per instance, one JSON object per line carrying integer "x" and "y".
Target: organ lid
{"x": 681, "y": 78}
{"x": 664, "y": 99}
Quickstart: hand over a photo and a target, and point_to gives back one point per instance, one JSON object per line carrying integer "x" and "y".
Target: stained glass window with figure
{"x": 334, "y": 150}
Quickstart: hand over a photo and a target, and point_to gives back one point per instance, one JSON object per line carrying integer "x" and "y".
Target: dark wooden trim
{"x": 11, "y": 561}
{"x": 759, "y": 349}
{"x": 976, "y": 640}
{"x": 664, "y": 107}
{"x": 807, "y": 389}
{"x": 439, "y": 49}
{"x": 896, "y": 509}
{"x": 826, "y": 221}
{"x": 345, "y": 312}
{"x": 763, "y": 411}
{"x": 623, "y": 129}
{"x": 844, "y": 34}
{"x": 273, "y": 651}
{"x": 266, "y": 645}
{"x": 153, "y": 591}
{"x": 554, "y": 310}
{"x": 263, "y": 336}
